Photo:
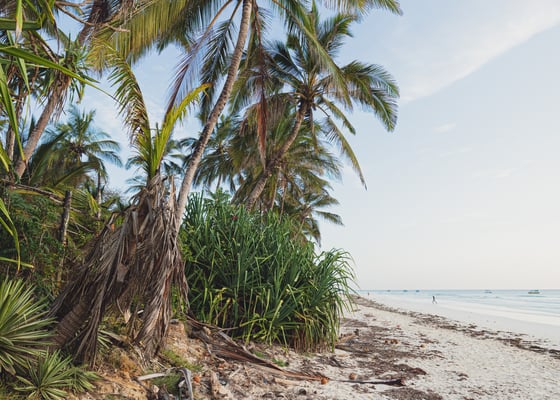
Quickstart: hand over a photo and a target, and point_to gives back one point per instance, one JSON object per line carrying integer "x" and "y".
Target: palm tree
{"x": 223, "y": 155}
{"x": 310, "y": 86}
{"x": 72, "y": 149}
{"x": 16, "y": 19}
{"x": 214, "y": 45}
{"x": 96, "y": 14}
{"x": 300, "y": 186}
{"x": 135, "y": 265}
{"x": 84, "y": 143}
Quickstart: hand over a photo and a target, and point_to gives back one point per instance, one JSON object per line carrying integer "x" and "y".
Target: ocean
{"x": 531, "y": 312}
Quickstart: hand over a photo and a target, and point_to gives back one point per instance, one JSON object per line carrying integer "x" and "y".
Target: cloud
{"x": 456, "y": 151}
{"x": 463, "y": 218}
{"x": 445, "y": 127}
{"x": 434, "y": 52}
{"x": 496, "y": 173}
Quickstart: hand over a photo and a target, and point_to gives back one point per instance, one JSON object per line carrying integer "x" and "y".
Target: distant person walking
{"x": 434, "y": 300}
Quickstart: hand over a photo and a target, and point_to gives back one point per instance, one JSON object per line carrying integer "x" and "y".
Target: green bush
{"x": 33, "y": 372}
{"x": 36, "y": 219}
{"x": 22, "y": 326}
{"x": 51, "y": 376}
{"x": 258, "y": 276}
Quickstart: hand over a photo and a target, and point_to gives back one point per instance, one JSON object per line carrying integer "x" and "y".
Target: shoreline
{"x": 425, "y": 357}
{"x": 464, "y": 361}
{"x": 383, "y": 354}
{"x": 541, "y": 329}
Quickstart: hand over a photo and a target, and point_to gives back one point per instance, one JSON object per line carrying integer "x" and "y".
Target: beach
{"x": 461, "y": 361}
{"x": 536, "y": 316}
{"x": 383, "y": 353}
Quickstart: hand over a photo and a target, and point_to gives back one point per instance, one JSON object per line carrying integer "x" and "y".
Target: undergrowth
{"x": 258, "y": 276}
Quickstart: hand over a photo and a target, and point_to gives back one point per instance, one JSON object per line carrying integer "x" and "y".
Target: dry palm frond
{"x": 135, "y": 265}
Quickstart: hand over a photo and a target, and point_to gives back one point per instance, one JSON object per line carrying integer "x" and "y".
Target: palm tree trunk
{"x": 216, "y": 111}
{"x": 284, "y": 186}
{"x": 275, "y": 160}
{"x": 272, "y": 196}
{"x": 10, "y": 134}
{"x": 65, "y": 217}
{"x": 62, "y": 83}
{"x": 10, "y": 142}
{"x": 98, "y": 197}
{"x": 52, "y": 104}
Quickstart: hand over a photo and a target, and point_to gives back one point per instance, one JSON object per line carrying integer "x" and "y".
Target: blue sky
{"x": 465, "y": 193}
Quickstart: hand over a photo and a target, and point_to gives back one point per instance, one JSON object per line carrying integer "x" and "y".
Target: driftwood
{"x": 151, "y": 376}
{"x": 220, "y": 345}
{"x": 184, "y": 385}
{"x": 391, "y": 382}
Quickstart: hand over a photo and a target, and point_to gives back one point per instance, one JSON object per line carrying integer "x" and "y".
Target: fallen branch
{"x": 224, "y": 346}
{"x": 391, "y": 382}
{"x": 152, "y": 376}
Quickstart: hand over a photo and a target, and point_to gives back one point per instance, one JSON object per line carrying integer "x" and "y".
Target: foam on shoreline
{"x": 541, "y": 328}
{"x": 463, "y": 362}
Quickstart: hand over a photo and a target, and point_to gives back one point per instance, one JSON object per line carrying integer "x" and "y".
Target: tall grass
{"x": 258, "y": 276}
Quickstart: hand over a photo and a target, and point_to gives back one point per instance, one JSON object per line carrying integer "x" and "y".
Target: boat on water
{"x": 534, "y": 292}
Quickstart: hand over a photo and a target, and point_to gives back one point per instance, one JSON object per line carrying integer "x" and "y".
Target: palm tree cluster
{"x": 273, "y": 113}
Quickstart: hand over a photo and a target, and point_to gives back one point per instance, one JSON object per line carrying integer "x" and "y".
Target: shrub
{"x": 22, "y": 325}
{"x": 257, "y": 275}
{"x": 23, "y": 340}
{"x": 51, "y": 376}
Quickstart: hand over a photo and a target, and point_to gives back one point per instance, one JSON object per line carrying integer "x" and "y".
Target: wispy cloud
{"x": 456, "y": 151}
{"x": 497, "y": 173}
{"x": 445, "y": 127}
{"x": 437, "y": 51}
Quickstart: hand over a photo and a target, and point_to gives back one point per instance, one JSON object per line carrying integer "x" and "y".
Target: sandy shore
{"x": 383, "y": 353}
{"x": 464, "y": 361}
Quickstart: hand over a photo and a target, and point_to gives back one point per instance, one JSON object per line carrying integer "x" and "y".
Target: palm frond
{"x": 131, "y": 102}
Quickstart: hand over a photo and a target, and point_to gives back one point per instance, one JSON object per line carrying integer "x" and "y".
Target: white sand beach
{"x": 383, "y": 354}
{"x": 540, "y": 327}
{"x": 435, "y": 358}
{"x": 465, "y": 362}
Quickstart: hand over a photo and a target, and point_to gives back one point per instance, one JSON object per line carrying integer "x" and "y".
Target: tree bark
{"x": 65, "y": 218}
{"x": 216, "y": 112}
{"x": 52, "y": 104}
{"x": 62, "y": 83}
{"x": 98, "y": 197}
{"x": 275, "y": 160}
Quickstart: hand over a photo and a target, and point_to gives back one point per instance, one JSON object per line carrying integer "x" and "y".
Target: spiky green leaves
{"x": 258, "y": 276}
{"x": 51, "y": 376}
{"x": 22, "y": 326}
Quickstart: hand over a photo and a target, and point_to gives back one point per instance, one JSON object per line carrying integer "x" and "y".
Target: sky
{"x": 465, "y": 193}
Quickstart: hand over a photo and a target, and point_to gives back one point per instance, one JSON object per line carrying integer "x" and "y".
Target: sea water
{"x": 531, "y": 312}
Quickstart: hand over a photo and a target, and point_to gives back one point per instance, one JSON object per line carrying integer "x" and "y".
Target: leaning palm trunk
{"x": 61, "y": 85}
{"x": 55, "y": 102}
{"x": 216, "y": 111}
{"x": 130, "y": 268}
{"x": 275, "y": 160}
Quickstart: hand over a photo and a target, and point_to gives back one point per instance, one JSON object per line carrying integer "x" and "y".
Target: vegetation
{"x": 52, "y": 376}
{"x": 25, "y": 363}
{"x": 22, "y": 326}
{"x": 253, "y": 269}
{"x": 260, "y": 277}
